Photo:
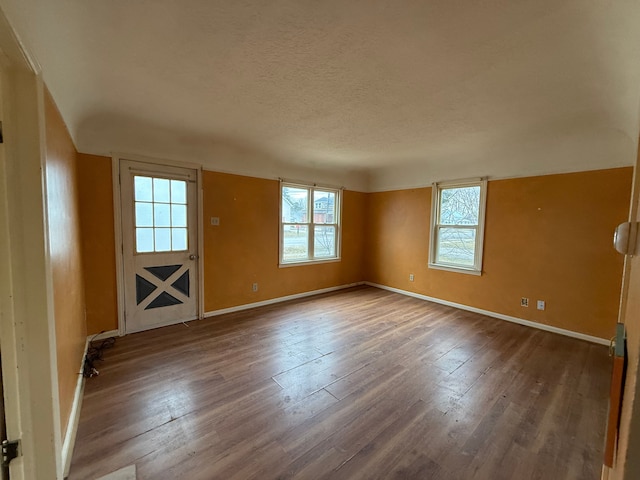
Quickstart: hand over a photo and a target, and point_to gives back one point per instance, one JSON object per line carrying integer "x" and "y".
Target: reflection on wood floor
{"x": 362, "y": 383}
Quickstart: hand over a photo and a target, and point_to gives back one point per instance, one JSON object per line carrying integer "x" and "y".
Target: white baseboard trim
{"x": 286, "y": 298}
{"x": 508, "y": 318}
{"x": 103, "y": 335}
{"x": 74, "y": 418}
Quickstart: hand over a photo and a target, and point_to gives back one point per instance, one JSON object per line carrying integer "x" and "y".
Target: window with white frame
{"x": 309, "y": 223}
{"x": 457, "y": 225}
{"x": 160, "y": 214}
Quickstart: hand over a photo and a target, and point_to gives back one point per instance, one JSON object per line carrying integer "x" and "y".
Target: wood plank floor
{"x": 362, "y": 383}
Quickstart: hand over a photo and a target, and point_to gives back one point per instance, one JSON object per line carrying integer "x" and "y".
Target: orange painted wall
{"x": 243, "y": 249}
{"x": 547, "y": 238}
{"x": 95, "y": 190}
{"x": 66, "y": 263}
{"x": 239, "y": 252}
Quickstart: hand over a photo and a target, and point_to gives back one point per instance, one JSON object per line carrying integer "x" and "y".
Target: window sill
{"x": 448, "y": 268}
{"x": 308, "y": 262}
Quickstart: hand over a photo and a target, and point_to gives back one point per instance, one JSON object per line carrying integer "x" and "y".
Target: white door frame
{"x": 27, "y": 323}
{"x": 117, "y": 210}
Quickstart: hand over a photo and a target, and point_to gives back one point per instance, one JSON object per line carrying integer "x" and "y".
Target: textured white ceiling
{"x": 370, "y": 94}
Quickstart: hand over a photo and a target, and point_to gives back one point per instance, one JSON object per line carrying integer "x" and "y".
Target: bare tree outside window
{"x": 324, "y": 213}
{"x": 325, "y": 242}
{"x": 459, "y": 206}
{"x": 458, "y": 216}
{"x": 309, "y": 223}
{"x": 295, "y": 208}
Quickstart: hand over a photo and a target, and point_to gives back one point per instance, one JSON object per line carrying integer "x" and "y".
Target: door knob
{"x": 192, "y": 257}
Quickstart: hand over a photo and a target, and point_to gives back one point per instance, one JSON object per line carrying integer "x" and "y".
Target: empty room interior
{"x": 336, "y": 240}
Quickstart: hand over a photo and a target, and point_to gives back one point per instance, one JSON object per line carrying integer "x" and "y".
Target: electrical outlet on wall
{"x": 254, "y": 287}
{"x": 215, "y": 221}
{"x": 524, "y": 302}
{"x": 541, "y": 304}
{"x": 411, "y": 277}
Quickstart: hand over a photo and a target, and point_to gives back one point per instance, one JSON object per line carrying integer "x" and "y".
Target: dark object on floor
{"x": 94, "y": 355}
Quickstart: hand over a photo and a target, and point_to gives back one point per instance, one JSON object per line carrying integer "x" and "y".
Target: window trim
{"x": 310, "y": 207}
{"x": 436, "y": 189}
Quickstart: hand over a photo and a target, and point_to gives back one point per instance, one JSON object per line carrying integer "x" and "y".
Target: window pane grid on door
{"x": 160, "y": 214}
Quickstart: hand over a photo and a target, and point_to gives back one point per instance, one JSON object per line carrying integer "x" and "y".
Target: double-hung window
{"x": 457, "y": 225}
{"x": 309, "y": 223}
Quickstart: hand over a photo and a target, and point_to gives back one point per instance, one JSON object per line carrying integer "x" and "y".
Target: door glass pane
{"x": 161, "y": 215}
{"x": 163, "y": 239}
{"x": 178, "y": 215}
{"x": 324, "y": 207}
{"x": 144, "y": 214}
{"x": 144, "y": 240}
{"x": 143, "y": 189}
{"x": 460, "y": 206}
{"x": 178, "y": 239}
{"x": 161, "y": 190}
{"x": 294, "y": 205}
{"x": 456, "y": 246}
{"x": 178, "y": 191}
{"x": 295, "y": 240}
{"x": 324, "y": 242}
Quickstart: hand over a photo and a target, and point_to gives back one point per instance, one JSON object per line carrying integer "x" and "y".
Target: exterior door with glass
{"x": 159, "y": 241}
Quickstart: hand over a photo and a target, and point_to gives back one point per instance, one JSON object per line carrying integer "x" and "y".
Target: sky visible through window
{"x": 298, "y": 220}
{"x": 459, "y": 208}
{"x": 160, "y": 214}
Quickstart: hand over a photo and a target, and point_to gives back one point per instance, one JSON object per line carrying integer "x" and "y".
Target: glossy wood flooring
{"x": 358, "y": 384}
